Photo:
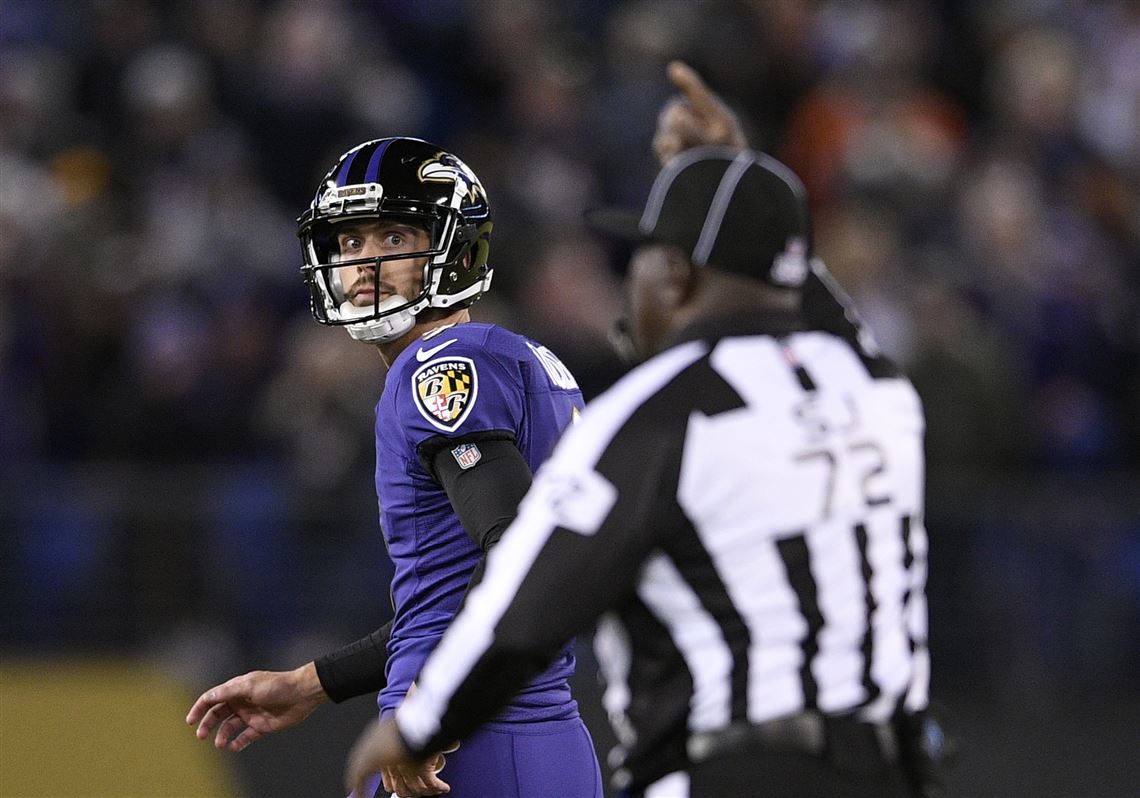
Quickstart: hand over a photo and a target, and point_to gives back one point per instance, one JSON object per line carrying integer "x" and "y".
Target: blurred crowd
{"x": 168, "y": 407}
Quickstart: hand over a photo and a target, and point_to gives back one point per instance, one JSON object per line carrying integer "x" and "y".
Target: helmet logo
{"x": 445, "y": 168}
{"x": 357, "y": 198}
{"x": 445, "y": 390}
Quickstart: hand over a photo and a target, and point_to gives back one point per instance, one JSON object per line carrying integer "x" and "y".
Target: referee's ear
{"x": 681, "y": 278}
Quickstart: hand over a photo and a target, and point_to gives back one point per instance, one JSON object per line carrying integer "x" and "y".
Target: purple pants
{"x": 548, "y": 759}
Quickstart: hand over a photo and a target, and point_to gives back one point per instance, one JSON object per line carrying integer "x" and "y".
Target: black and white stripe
{"x": 747, "y": 509}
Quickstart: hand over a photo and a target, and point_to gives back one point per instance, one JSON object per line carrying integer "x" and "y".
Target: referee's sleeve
{"x": 573, "y": 551}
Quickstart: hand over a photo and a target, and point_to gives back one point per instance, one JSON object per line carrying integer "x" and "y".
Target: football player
{"x": 395, "y": 247}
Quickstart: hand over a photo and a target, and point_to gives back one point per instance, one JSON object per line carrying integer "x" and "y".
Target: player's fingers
{"x": 200, "y": 708}
{"x": 434, "y": 785}
{"x": 420, "y": 780}
{"x": 387, "y": 781}
{"x": 400, "y": 785}
{"x": 424, "y": 782}
{"x": 398, "y": 782}
{"x": 229, "y": 727}
{"x": 248, "y": 736}
{"x": 236, "y": 689}
{"x": 206, "y": 703}
{"x": 217, "y": 714}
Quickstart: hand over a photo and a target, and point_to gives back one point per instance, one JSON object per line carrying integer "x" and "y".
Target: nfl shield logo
{"x": 445, "y": 390}
{"x": 466, "y": 455}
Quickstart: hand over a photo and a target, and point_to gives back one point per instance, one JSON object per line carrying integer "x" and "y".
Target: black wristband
{"x": 356, "y": 669}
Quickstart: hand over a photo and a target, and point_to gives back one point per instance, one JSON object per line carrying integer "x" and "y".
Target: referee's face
{"x": 655, "y": 287}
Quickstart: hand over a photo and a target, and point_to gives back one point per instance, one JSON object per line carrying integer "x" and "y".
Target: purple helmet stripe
{"x": 343, "y": 173}
{"x": 374, "y": 163}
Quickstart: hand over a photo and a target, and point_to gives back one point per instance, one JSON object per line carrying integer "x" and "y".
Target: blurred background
{"x": 186, "y": 457}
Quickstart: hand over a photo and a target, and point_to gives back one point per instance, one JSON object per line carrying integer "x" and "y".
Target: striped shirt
{"x": 742, "y": 515}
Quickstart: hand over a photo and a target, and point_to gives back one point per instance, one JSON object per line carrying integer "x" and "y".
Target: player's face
{"x": 371, "y": 239}
{"x": 652, "y": 294}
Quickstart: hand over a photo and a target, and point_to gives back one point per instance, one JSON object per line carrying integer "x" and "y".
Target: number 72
{"x": 872, "y": 461}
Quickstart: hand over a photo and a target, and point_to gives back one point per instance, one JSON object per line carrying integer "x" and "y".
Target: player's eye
{"x": 350, "y": 244}
{"x": 394, "y": 239}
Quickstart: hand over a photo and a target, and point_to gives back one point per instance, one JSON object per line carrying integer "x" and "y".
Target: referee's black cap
{"x": 735, "y": 210}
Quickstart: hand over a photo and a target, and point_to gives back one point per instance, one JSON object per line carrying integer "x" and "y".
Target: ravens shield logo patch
{"x": 445, "y": 390}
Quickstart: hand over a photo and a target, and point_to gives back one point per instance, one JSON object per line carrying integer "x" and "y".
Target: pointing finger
{"x": 703, "y": 109}
{"x": 685, "y": 78}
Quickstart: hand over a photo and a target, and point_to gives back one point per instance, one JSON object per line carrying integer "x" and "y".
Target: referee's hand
{"x": 380, "y": 749}
{"x": 696, "y": 117}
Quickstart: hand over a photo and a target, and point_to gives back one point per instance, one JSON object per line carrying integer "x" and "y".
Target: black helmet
{"x": 416, "y": 182}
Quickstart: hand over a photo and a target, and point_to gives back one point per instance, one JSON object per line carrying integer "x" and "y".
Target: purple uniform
{"x": 465, "y": 383}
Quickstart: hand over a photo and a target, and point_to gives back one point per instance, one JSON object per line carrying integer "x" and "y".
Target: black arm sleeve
{"x": 485, "y": 494}
{"x": 356, "y": 669}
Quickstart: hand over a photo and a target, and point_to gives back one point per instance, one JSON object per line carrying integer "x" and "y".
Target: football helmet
{"x": 415, "y": 182}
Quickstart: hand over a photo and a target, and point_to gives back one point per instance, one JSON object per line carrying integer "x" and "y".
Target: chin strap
{"x": 378, "y": 331}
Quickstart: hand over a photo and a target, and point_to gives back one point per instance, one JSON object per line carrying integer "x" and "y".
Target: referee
{"x": 742, "y": 515}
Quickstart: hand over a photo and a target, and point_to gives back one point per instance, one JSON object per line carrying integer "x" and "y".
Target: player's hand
{"x": 698, "y": 116}
{"x": 255, "y": 704}
{"x": 407, "y": 781}
{"x": 380, "y": 749}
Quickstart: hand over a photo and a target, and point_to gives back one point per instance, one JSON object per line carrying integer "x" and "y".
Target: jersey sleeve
{"x": 462, "y": 391}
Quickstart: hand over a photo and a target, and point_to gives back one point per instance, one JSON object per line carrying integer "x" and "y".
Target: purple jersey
{"x": 459, "y": 381}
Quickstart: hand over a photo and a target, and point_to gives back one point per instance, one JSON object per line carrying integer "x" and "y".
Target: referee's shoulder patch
{"x": 445, "y": 390}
